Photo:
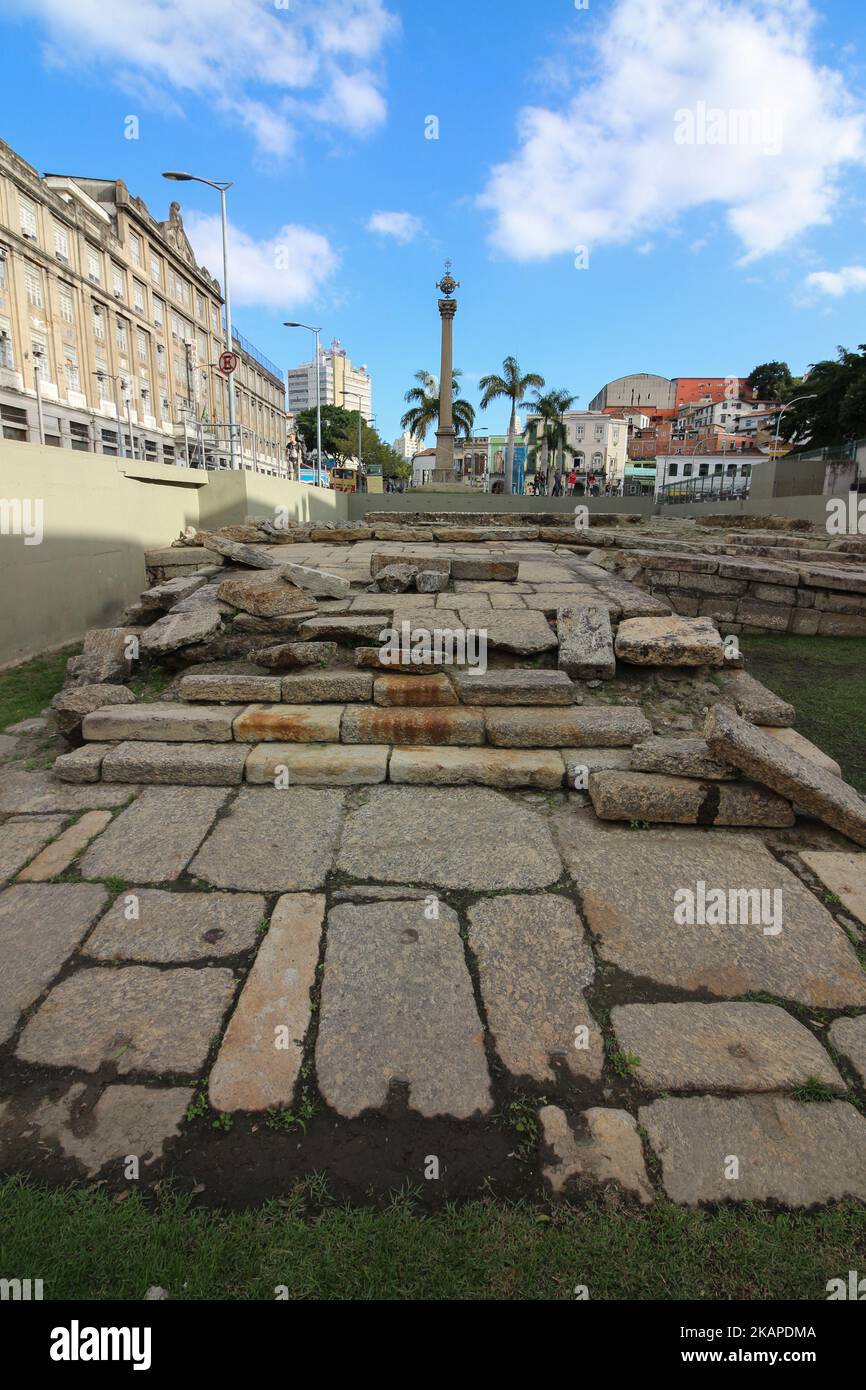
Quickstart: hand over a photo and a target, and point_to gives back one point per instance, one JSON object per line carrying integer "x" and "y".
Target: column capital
{"x": 447, "y": 308}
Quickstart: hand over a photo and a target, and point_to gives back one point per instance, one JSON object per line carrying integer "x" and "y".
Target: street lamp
{"x": 101, "y": 376}
{"x": 315, "y": 332}
{"x": 813, "y": 396}
{"x": 221, "y": 187}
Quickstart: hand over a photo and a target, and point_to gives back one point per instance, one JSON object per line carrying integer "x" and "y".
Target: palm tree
{"x": 423, "y": 402}
{"x": 513, "y": 386}
{"x": 551, "y": 407}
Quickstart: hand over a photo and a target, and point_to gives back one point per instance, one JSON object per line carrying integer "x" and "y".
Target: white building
{"x": 406, "y": 446}
{"x": 733, "y": 416}
{"x": 341, "y": 383}
{"x": 712, "y": 474}
{"x": 596, "y": 443}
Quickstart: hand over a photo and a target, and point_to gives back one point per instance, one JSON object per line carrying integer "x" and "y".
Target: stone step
{"x": 656, "y": 799}
{"x": 162, "y": 721}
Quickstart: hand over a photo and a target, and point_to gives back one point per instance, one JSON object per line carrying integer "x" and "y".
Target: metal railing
{"x": 246, "y": 346}
{"x": 714, "y": 488}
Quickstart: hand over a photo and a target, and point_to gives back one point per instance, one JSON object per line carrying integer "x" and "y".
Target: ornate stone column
{"x": 445, "y": 432}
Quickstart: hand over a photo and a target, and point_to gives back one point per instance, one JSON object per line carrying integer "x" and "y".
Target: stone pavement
{"x": 683, "y": 1010}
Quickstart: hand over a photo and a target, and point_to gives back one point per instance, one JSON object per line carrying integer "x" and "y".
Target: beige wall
{"x": 100, "y": 514}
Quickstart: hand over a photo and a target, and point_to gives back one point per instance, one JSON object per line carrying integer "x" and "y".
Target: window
{"x": 745, "y": 470}
{"x": 3, "y": 274}
{"x": 141, "y": 344}
{"x": 158, "y": 312}
{"x": 717, "y": 468}
{"x": 70, "y": 367}
{"x": 160, "y": 359}
{"x": 39, "y": 353}
{"x": 33, "y": 287}
{"x": 731, "y": 470}
{"x": 122, "y": 337}
{"x": 155, "y": 270}
{"x": 94, "y": 266}
{"x": 138, "y": 297}
{"x": 117, "y": 282}
{"x": 214, "y": 318}
{"x": 64, "y": 303}
{"x": 673, "y": 470}
{"x": 61, "y": 242}
{"x": 687, "y": 470}
{"x": 703, "y": 470}
{"x": 27, "y": 215}
{"x": 199, "y": 305}
{"x": 135, "y": 248}
{"x": 6, "y": 358}
{"x": 98, "y": 324}
{"x": 79, "y": 437}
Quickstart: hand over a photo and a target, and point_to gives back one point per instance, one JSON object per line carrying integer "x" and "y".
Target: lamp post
{"x": 812, "y": 396}
{"x": 315, "y": 332}
{"x": 101, "y": 375}
{"x": 221, "y": 187}
{"x": 37, "y": 382}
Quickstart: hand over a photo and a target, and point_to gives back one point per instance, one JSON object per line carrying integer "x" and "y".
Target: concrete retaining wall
{"x": 99, "y": 515}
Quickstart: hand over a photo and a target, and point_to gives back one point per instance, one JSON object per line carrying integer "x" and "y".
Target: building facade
{"x": 341, "y": 383}
{"x": 110, "y": 332}
{"x": 708, "y": 475}
{"x": 596, "y": 444}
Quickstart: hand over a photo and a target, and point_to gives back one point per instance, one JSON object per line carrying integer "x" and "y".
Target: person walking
{"x": 572, "y": 482}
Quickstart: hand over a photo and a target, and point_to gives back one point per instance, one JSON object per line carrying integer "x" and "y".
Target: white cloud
{"x": 402, "y": 226}
{"x": 837, "y": 282}
{"x": 270, "y": 58}
{"x": 288, "y": 270}
{"x": 607, "y": 168}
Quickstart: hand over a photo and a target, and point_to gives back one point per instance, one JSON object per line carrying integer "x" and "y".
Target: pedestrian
{"x": 540, "y": 483}
{"x": 557, "y": 485}
{"x": 572, "y": 482}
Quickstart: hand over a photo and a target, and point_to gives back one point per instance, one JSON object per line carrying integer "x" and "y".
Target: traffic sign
{"x": 228, "y": 362}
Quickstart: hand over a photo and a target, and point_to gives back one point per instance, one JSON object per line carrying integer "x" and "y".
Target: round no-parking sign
{"x": 228, "y": 362}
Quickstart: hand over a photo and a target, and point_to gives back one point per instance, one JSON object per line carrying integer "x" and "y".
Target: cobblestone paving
{"x": 315, "y": 959}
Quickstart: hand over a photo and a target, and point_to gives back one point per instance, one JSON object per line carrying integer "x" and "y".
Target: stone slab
{"x": 398, "y": 1008}
{"x": 513, "y": 687}
{"x": 71, "y": 706}
{"x": 469, "y": 838}
{"x": 265, "y": 594}
{"x": 534, "y": 962}
{"x": 153, "y": 840}
{"x": 585, "y": 643}
{"x": 58, "y": 856}
{"x": 483, "y": 767}
{"x": 178, "y": 630}
{"x": 792, "y": 739}
{"x": 162, "y": 722}
{"x": 175, "y": 927}
{"x": 436, "y": 726}
{"x": 262, "y": 1051}
{"x": 136, "y": 1019}
{"x": 606, "y": 1148}
{"x": 842, "y": 874}
{"x": 273, "y": 841}
{"x": 848, "y": 1036}
{"x": 399, "y": 691}
{"x": 342, "y": 627}
{"x": 316, "y": 581}
{"x": 671, "y": 641}
{"x": 40, "y": 926}
{"x": 797, "y": 1154}
{"x": 23, "y": 837}
{"x": 173, "y": 764}
{"x": 288, "y": 656}
{"x": 225, "y": 688}
{"x": 680, "y": 757}
{"x": 289, "y": 724}
{"x": 615, "y": 726}
{"x": 768, "y": 761}
{"x": 754, "y": 701}
{"x": 82, "y": 765}
{"x": 631, "y": 912}
{"x": 124, "y": 1120}
{"x": 325, "y": 687}
{"x": 32, "y": 793}
{"x": 651, "y": 797}
{"x": 721, "y": 1047}
{"x": 317, "y": 764}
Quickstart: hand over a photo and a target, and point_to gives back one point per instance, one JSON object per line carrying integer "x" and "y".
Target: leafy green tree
{"x": 837, "y": 414}
{"x": 423, "y": 402}
{"x": 337, "y": 436}
{"x": 771, "y": 381}
{"x": 513, "y": 386}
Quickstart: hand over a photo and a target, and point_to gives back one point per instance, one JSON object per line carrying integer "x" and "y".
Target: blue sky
{"x": 606, "y": 135}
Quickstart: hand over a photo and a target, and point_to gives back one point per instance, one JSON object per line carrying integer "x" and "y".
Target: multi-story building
{"x": 709, "y": 475}
{"x": 596, "y": 443}
{"x": 661, "y": 397}
{"x": 340, "y": 383}
{"x": 110, "y": 332}
{"x": 407, "y": 446}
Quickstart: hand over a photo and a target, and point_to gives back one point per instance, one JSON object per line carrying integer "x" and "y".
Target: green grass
{"x": 823, "y": 678}
{"x": 85, "y": 1244}
{"x": 27, "y": 689}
